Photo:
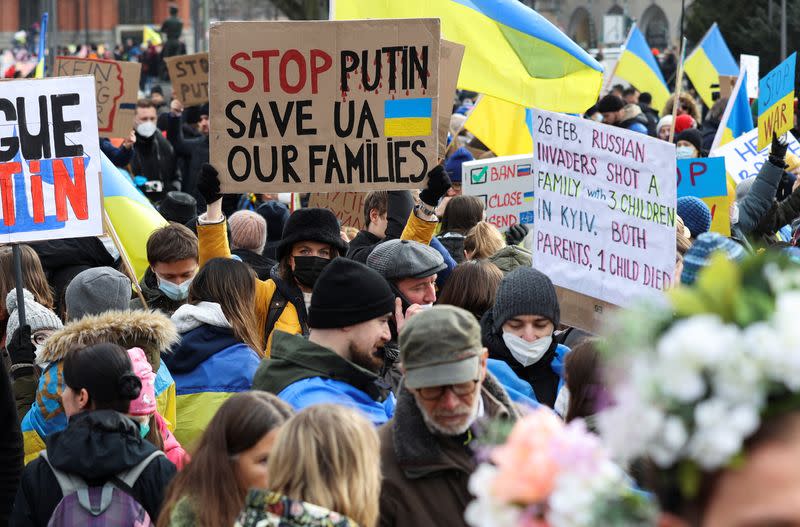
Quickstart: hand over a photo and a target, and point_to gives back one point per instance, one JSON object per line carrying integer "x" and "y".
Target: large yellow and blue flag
{"x": 710, "y": 59}
{"x": 637, "y": 65}
{"x": 512, "y": 52}
{"x": 151, "y": 35}
{"x": 131, "y": 214}
{"x": 513, "y": 137}
{"x": 40, "y": 67}
{"x": 737, "y": 119}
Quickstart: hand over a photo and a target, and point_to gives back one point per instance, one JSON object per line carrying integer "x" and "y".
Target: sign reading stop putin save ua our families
{"x": 49, "y": 160}
{"x": 776, "y": 101}
{"x": 324, "y": 106}
{"x": 505, "y": 185}
{"x": 605, "y": 208}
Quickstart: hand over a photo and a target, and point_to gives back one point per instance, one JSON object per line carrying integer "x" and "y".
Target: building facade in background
{"x": 605, "y": 23}
{"x": 99, "y": 21}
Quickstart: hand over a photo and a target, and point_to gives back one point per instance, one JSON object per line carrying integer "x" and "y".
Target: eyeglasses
{"x": 434, "y": 392}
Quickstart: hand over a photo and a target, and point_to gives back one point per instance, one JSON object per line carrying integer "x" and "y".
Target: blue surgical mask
{"x": 175, "y": 291}
{"x": 685, "y": 152}
{"x": 144, "y": 429}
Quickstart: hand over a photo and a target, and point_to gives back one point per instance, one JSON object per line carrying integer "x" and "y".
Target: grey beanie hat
{"x": 744, "y": 186}
{"x": 97, "y": 290}
{"x": 525, "y": 291}
{"x": 397, "y": 259}
{"x": 36, "y": 315}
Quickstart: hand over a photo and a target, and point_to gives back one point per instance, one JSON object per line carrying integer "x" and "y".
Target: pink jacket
{"x": 172, "y": 448}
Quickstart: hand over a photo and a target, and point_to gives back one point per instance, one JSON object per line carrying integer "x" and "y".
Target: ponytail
{"x": 105, "y": 371}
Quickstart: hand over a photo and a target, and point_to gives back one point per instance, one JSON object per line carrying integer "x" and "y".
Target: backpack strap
{"x": 276, "y": 306}
{"x": 69, "y": 483}
{"x": 130, "y": 476}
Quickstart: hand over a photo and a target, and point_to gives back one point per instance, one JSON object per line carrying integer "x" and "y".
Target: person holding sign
{"x": 310, "y": 240}
{"x": 749, "y": 210}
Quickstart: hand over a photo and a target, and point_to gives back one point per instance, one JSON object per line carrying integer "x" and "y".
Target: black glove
{"x": 208, "y": 186}
{"x": 20, "y": 348}
{"x": 777, "y": 151}
{"x": 438, "y": 183}
{"x": 516, "y": 234}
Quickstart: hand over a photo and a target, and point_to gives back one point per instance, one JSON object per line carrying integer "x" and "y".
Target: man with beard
{"x": 426, "y": 449}
{"x": 338, "y": 363}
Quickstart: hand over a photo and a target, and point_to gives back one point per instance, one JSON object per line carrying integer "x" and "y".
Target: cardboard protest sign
{"x": 116, "y": 88}
{"x": 776, "y": 101}
{"x": 50, "y": 160}
{"x": 705, "y": 178}
{"x": 348, "y": 206}
{"x": 605, "y": 208}
{"x": 451, "y": 54}
{"x": 505, "y": 185}
{"x": 189, "y": 77}
{"x": 749, "y": 63}
{"x": 324, "y": 106}
{"x": 743, "y": 158}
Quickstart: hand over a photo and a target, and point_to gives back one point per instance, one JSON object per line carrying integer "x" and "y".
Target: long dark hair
{"x": 584, "y": 380}
{"x": 232, "y": 285}
{"x": 106, "y": 372}
{"x": 461, "y": 214}
{"x": 209, "y": 480}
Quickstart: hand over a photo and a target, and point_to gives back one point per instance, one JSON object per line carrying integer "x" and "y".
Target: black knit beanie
{"x": 525, "y": 291}
{"x": 316, "y": 225}
{"x": 348, "y": 293}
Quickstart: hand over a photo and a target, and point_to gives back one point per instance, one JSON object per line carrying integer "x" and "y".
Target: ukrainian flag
{"x": 407, "y": 117}
{"x": 513, "y": 137}
{"x": 710, "y": 59}
{"x": 131, "y": 214}
{"x": 638, "y": 66}
{"x": 512, "y": 52}
{"x": 737, "y": 119}
{"x": 151, "y": 35}
{"x": 40, "y": 67}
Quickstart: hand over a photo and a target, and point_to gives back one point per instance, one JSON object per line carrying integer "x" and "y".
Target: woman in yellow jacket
{"x": 311, "y": 238}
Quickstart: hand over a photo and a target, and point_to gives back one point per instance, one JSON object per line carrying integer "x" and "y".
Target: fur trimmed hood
{"x": 152, "y": 331}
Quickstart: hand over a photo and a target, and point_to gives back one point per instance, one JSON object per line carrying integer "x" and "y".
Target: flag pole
{"x": 678, "y": 86}
{"x": 123, "y": 255}
{"x": 610, "y": 78}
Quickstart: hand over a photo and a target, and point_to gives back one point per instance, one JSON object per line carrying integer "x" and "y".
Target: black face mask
{"x": 308, "y": 268}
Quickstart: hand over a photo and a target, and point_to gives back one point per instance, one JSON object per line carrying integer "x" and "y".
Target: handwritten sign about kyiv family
{"x": 324, "y": 106}
{"x": 605, "y": 208}
{"x": 505, "y": 185}
{"x": 50, "y": 160}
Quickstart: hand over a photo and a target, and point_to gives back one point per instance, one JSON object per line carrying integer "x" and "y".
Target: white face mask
{"x": 146, "y": 129}
{"x": 562, "y": 402}
{"x": 685, "y": 152}
{"x": 425, "y": 307}
{"x": 734, "y": 213}
{"x": 525, "y": 352}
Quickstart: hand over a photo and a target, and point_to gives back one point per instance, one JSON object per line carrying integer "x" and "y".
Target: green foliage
{"x": 746, "y": 27}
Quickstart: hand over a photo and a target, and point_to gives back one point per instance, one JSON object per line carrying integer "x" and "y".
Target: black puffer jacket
{"x": 95, "y": 446}
{"x": 154, "y": 158}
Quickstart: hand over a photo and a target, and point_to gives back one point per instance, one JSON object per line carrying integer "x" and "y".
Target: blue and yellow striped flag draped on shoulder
{"x": 710, "y": 59}
{"x": 638, "y": 66}
{"x": 737, "y": 119}
{"x": 512, "y": 52}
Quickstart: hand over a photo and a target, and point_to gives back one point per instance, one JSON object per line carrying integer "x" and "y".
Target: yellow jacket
{"x": 213, "y": 243}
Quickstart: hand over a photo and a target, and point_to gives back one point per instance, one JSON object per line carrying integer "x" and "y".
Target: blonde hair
{"x": 482, "y": 241}
{"x": 329, "y": 455}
